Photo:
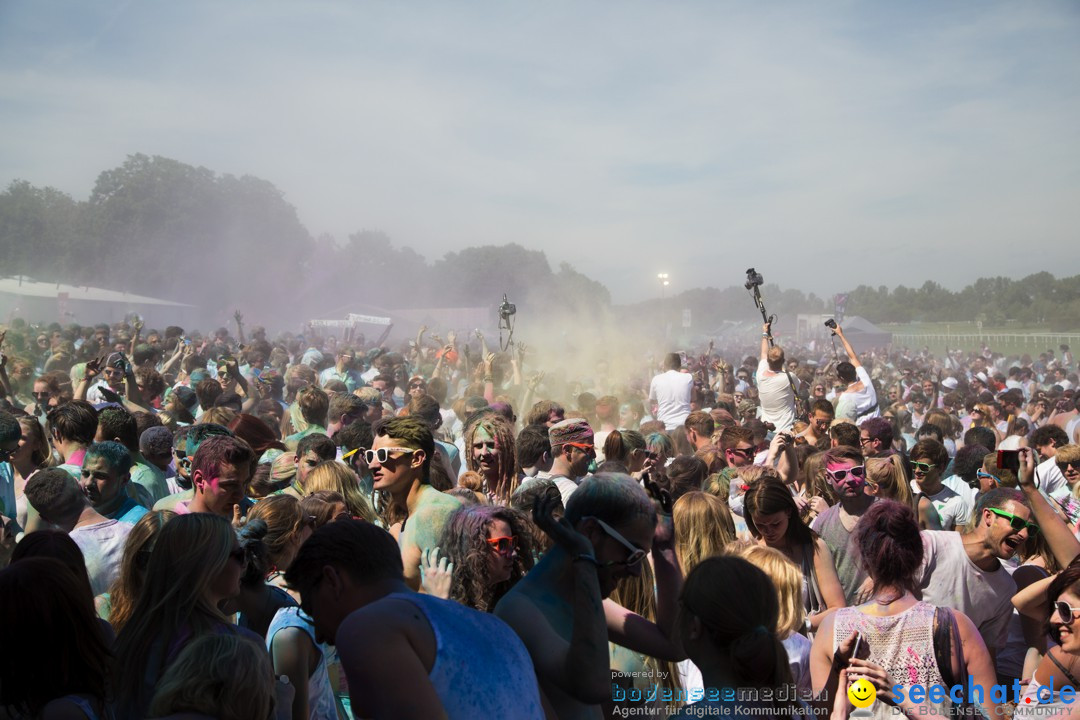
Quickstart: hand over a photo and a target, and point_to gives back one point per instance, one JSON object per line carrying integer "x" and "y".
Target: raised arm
{"x": 137, "y": 326}
{"x": 4, "y": 381}
{"x": 852, "y": 357}
{"x": 1059, "y": 537}
{"x": 581, "y": 667}
{"x": 239, "y": 318}
{"x": 766, "y": 336}
{"x": 132, "y": 394}
{"x": 93, "y": 368}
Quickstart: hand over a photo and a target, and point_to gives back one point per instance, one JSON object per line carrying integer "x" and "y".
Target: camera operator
{"x": 775, "y": 387}
{"x": 859, "y": 400}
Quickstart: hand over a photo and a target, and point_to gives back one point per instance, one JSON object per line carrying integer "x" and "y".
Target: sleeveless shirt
{"x": 903, "y": 644}
{"x": 481, "y": 669}
{"x": 322, "y": 704}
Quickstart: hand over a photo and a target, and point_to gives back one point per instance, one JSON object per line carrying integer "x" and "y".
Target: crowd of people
{"x": 237, "y": 526}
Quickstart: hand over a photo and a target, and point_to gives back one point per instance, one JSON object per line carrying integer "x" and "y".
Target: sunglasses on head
{"x": 503, "y": 545}
{"x": 1017, "y": 523}
{"x": 383, "y": 453}
{"x": 858, "y": 472}
{"x": 1065, "y": 611}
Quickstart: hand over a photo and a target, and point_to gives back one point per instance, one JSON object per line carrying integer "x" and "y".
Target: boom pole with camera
{"x": 754, "y": 281}
{"x": 507, "y": 311}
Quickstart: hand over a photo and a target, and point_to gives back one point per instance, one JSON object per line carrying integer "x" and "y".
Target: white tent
{"x": 36, "y": 301}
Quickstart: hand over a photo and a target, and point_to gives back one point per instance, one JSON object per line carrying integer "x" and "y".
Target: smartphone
{"x": 858, "y": 643}
{"x": 1009, "y": 460}
{"x": 187, "y": 341}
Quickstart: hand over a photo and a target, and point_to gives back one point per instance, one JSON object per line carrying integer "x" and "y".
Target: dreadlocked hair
{"x": 502, "y": 431}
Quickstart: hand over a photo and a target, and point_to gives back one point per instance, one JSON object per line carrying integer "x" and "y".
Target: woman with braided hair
{"x": 489, "y": 450}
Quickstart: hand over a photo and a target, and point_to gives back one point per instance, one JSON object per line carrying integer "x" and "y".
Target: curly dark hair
{"x": 464, "y": 540}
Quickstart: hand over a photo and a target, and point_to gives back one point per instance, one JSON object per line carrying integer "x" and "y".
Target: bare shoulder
{"x": 386, "y": 620}
{"x": 969, "y": 633}
{"x": 516, "y": 605}
{"x": 438, "y": 502}
{"x": 388, "y": 613}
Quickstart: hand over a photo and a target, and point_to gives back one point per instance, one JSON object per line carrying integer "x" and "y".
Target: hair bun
{"x": 253, "y": 531}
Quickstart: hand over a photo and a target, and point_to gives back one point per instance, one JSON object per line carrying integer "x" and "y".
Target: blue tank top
{"x": 481, "y": 668}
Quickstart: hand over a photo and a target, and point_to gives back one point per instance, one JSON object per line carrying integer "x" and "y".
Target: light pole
{"x": 663, "y": 278}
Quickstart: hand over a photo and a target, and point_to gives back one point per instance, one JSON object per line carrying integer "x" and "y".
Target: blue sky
{"x": 828, "y": 144}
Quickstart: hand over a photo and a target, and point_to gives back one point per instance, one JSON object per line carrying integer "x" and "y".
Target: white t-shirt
{"x": 960, "y": 486}
{"x": 777, "y": 397}
{"x": 566, "y": 486}
{"x": 102, "y": 545}
{"x": 950, "y": 579}
{"x": 1049, "y": 479}
{"x": 94, "y": 396}
{"x": 1070, "y": 428}
{"x": 671, "y": 391}
{"x": 952, "y": 506}
{"x": 858, "y": 406}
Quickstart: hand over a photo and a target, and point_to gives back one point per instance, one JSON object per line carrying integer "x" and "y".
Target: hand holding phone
{"x": 1009, "y": 460}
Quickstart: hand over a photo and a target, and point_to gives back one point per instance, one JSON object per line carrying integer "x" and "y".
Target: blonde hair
{"x": 703, "y": 526}
{"x": 1067, "y": 453}
{"x": 338, "y": 477}
{"x": 751, "y": 474}
{"x": 814, "y": 480}
{"x": 637, "y": 593}
{"x": 788, "y": 579}
{"x": 986, "y": 420}
{"x": 887, "y": 476}
{"x": 718, "y": 484}
{"x": 220, "y": 415}
{"x": 225, "y": 676}
{"x": 284, "y": 522}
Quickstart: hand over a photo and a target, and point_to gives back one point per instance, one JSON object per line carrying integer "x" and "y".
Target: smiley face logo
{"x": 862, "y": 693}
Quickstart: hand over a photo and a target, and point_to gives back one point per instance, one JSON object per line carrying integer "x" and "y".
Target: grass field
{"x": 1010, "y": 339}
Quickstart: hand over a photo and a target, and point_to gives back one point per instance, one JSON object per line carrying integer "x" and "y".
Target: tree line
{"x": 156, "y": 226}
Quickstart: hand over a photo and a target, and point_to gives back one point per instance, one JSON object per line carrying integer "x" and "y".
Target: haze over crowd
{"x": 875, "y": 144}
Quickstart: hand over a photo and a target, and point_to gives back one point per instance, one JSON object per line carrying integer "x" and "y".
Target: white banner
{"x": 369, "y": 319}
